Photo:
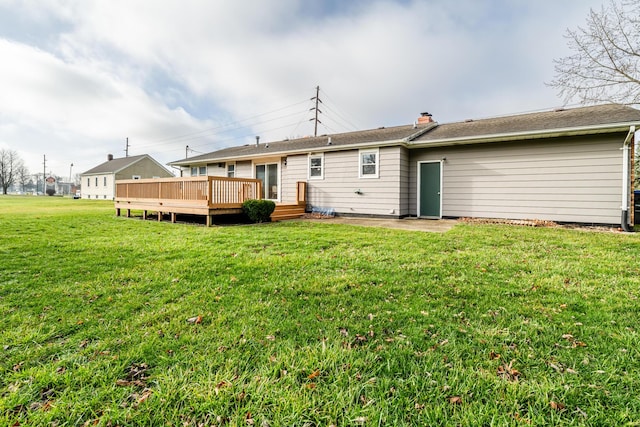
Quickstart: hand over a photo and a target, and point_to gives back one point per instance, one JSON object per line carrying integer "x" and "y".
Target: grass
{"x": 300, "y": 324}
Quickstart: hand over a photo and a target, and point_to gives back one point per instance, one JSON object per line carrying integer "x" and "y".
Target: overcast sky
{"x": 79, "y": 77}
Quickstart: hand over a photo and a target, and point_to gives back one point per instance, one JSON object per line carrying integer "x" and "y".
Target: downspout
{"x": 626, "y": 179}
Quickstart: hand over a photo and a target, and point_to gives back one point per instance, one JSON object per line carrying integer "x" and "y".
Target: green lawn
{"x": 300, "y": 324}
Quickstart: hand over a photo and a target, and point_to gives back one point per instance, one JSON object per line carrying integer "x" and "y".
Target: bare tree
{"x": 605, "y": 64}
{"x": 10, "y": 163}
{"x": 23, "y": 176}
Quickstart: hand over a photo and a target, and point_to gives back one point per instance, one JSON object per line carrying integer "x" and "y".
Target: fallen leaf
{"x": 360, "y": 420}
{"x": 248, "y": 419}
{"x": 271, "y": 337}
{"x": 557, "y": 406}
{"x": 310, "y": 386}
{"x": 455, "y": 400}
{"x": 507, "y": 372}
{"x": 314, "y": 374}
{"x": 196, "y": 320}
{"x": 220, "y": 386}
{"x": 344, "y": 332}
{"x": 493, "y": 355}
{"x": 146, "y": 393}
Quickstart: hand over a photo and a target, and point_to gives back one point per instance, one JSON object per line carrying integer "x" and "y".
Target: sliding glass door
{"x": 268, "y": 174}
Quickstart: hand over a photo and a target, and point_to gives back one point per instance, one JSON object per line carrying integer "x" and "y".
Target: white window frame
{"x": 199, "y": 170}
{"x": 321, "y": 167}
{"x": 361, "y": 154}
{"x": 231, "y": 170}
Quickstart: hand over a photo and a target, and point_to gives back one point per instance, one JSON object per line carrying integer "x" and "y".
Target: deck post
{"x": 210, "y": 191}
{"x": 159, "y": 216}
{"x": 128, "y": 213}
{"x": 144, "y": 214}
{"x": 173, "y": 217}
{"x": 209, "y": 220}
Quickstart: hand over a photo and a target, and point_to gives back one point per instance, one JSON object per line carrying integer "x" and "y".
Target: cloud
{"x": 85, "y": 75}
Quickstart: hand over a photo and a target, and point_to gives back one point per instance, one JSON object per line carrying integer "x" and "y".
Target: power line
{"x": 324, "y": 94}
{"x": 231, "y": 124}
{"x": 198, "y": 135}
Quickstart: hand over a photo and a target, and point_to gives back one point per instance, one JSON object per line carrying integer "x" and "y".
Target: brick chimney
{"x": 425, "y": 118}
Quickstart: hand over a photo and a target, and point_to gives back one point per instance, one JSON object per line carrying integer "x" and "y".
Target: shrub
{"x": 258, "y": 210}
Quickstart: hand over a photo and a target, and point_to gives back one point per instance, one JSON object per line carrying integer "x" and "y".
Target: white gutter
{"x": 626, "y": 179}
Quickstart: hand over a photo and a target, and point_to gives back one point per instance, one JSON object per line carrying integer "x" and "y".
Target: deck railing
{"x": 208, "y": 191}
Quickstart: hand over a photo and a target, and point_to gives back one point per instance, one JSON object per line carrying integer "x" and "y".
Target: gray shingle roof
{"x": 381, "y": 135}
{"x": 114, "y": 165}
{"x": 535, "y": 122}
{"x": 584, "y": 117}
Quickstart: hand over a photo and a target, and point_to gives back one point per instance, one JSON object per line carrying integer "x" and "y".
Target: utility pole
{"x": 318, "y": 101}
{"x": 126, "y": 150}
{"x": 44, "y": 173}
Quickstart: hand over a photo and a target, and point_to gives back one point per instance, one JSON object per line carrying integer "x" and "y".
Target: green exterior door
{"x": 429, "y": 189}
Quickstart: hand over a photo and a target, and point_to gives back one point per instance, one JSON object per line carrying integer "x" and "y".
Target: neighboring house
{"x": 99, "y": 182}
{"x": 567, "y": 165}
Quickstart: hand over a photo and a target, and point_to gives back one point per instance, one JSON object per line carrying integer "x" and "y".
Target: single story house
{"x": 100, "y": 181}
{"x": 567, "y": 165}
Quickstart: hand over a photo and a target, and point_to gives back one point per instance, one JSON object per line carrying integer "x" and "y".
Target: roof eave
{"x": 318, "y": 149}
{"x": 506, "y": 137}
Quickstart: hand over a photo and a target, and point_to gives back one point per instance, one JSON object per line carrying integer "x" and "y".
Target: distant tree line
{"x": 12, "y": 170}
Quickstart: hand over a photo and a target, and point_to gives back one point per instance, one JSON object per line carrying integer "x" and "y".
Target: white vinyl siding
{"x": 564, "y": 180}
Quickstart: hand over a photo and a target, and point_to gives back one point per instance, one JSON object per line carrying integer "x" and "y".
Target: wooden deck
{"x": 202, "y": 195}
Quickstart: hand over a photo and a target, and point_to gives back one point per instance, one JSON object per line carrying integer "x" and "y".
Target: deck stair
{"x": 287, "y": 211}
